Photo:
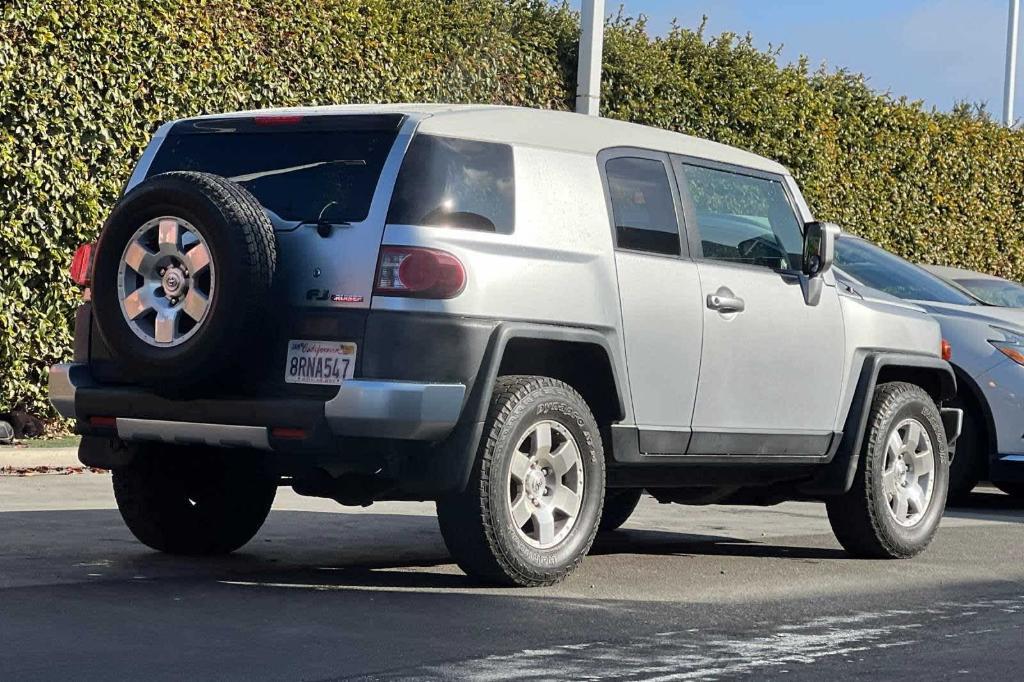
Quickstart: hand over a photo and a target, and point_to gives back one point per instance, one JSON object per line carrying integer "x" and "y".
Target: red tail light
{"x": 419, "y": 273}
{"x": 947, "y": 350}
{"x": 81, "y": 265}
{"x": 277, "y": 120}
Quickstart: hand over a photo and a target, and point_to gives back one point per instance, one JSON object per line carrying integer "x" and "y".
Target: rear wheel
{"x": 619, "y": 505}
{"x": 194, "y": 500}
{"x": 896, "y": 501}
{"x": 531, "y": 509}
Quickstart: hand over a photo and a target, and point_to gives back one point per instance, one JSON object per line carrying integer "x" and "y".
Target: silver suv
{"x": 527, "y": 316}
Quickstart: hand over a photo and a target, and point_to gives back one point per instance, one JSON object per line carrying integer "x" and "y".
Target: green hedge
{"x": 84, "y": 83}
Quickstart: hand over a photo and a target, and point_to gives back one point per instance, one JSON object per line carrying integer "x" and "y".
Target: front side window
{"x": 642, "y": 205}
{"x": 447, "y": 182}
{"x": 887, "y": 272}
{"x": 744, "y": 219}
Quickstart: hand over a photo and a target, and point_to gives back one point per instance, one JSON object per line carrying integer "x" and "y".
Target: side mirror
{"x": 819, "y": 247}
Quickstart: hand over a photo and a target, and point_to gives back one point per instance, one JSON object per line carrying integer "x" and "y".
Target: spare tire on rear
{"x": 181, "y": 277}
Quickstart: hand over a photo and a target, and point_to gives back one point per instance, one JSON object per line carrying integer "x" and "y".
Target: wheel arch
{"x": 529, "y": 348}
{"x": 974, "y": 401}
{"x": 583, "y": 364}
{"x": 934, "y": 375}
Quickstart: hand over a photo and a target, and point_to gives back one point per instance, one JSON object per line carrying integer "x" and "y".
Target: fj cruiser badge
{"x": 324, "y": 295}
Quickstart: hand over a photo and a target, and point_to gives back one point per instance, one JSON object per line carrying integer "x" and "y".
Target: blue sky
{"x": 939, "y": 51}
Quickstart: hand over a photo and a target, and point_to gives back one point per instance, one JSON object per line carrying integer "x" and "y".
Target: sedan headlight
{"x": 1011, "y": 345}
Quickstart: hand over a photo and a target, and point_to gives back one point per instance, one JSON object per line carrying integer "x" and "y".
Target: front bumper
{"x": 363, "y": 408}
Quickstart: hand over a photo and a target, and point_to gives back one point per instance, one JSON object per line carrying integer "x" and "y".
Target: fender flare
{"x": 453, "y": 463}
{"x": 836, "y": 477}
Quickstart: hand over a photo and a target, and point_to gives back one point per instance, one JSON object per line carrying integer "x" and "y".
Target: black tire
{"x": 194, "y": 500}
{"x": 860, "y": 518}
{"x": 477, "y": 523}
{"x": 619, "y": 505}
{"x": 968, "y": 458}
{"x": 243, "y": 248}
{"x": 1012, "y": 488}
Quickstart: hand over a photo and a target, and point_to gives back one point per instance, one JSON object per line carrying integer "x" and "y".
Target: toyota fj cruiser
{"x": 527, "y": 316}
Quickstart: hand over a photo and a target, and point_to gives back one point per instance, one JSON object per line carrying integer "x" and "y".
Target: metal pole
{"x": 1011, "y": 62}
{"x": 588, "y": 80}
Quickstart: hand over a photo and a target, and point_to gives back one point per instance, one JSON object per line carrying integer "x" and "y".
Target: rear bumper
{"x": 363, "y": 408}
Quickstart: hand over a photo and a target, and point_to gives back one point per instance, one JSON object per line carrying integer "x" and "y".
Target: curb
{"x": 17, "y": 459}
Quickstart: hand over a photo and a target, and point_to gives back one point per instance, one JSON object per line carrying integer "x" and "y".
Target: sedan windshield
{"x": 999, "y": 292}
{"x": 887, "y": 272}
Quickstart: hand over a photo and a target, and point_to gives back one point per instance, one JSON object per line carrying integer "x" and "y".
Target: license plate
{"x": 319, "y": 362}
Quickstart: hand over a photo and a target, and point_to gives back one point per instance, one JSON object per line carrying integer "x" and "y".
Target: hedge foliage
{"x": 83, "y": 83}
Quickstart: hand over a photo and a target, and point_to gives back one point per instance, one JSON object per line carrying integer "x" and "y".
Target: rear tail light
{"x": 420, "y": 273}
{"x": 81, "y": 265}
{"x": 947, "y": 350}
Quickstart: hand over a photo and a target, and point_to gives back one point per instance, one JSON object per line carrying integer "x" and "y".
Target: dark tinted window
{"x": 887, "y": 272}
{"x": 298, "y": 175}
{"x": 745, "y": 219}
{"x": 642, "y": 205}
{"x": 455, "y": 183}
{"x": 998, "y": 292}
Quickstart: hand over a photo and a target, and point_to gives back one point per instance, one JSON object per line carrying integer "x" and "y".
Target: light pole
{"x": 1011, "y": 62}
{"x": 588, "y": 79}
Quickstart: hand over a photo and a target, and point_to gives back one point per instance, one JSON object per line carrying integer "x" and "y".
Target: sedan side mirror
{"x": 819, "y": 247}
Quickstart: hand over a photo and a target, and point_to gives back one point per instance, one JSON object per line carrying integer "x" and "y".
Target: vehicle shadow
{"x": 666, "y": 543}
{"x": 309, "y": 550}
{"x": 989, "y": 505}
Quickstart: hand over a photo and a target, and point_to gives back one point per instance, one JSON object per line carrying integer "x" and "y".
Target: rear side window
{"x": 744, "y": 219}
{"x": 299, "y": 174}
{"x": 642, "y": 205}
{"x": 447, "y": 182}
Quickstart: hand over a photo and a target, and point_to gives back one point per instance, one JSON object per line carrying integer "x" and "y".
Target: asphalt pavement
{"x": 326, "y": 592}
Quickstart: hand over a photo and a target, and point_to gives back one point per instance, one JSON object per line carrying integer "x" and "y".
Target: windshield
{"x": 998, "y": 292}
{"x": 879, "y": 269}
{"x": 299, "y": 175}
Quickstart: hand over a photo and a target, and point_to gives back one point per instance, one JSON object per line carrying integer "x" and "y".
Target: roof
{"x": 560, "y": 130}
{"x": 946, "y": 272}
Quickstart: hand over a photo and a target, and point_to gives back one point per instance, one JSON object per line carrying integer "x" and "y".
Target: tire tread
{"x": 467, "y": 522}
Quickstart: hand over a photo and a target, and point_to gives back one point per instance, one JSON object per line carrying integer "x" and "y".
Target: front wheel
{"x": 533, "y": 503}
{"x": 194, "y": 500}
{"x": 895, "y": 504}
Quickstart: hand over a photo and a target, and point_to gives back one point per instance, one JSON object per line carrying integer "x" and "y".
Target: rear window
{"x": 447, "y": 182}
{"x": 300, "y": 171}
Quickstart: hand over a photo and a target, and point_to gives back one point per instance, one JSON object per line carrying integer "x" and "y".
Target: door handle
{"x": 724, "y": 301}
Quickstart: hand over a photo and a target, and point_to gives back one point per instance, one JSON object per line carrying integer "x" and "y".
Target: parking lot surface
{"x": 328, "y": 592}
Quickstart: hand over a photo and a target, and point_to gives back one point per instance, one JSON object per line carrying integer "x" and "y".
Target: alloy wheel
{"x": 545, "y": 484}
{"x": 165, "y": 281}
